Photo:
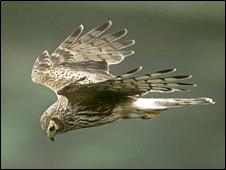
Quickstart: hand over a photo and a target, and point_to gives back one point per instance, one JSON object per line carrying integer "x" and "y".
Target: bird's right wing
{"x": 127, "y": 85}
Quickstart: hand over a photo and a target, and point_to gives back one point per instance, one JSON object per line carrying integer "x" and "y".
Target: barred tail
{"x": 161, "y": 104}
{"x": 148, "y": 108}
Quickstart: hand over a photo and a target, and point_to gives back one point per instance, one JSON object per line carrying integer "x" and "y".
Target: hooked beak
{"x": 50, "y": 136}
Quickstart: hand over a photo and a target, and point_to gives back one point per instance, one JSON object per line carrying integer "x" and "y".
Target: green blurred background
{"x": 186, "y": 35}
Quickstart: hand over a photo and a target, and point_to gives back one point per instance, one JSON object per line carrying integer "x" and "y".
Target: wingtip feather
{"x": 208, "y": 100}
{"x": 125, "y": 30}
{"x": 132, "y": 42}
{"x": 45, "y": 52}
{"x": 81, "y": 27}
{"x": 110, "y": 22}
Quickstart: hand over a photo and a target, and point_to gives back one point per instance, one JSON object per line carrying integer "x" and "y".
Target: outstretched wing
{"x": 82, "y": 56}
{"x": 93, "y": 47}
{"x": 127, "y": 85}
{"x": 155, "y": 82}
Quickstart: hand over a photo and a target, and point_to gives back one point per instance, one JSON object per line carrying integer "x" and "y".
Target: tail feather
{"x": 161, "y": 104}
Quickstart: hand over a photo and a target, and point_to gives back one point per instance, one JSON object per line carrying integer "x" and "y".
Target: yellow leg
{"x": 150, "y": 115}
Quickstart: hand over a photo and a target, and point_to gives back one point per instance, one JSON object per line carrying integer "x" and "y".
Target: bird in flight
{"x": 89, "y": 95}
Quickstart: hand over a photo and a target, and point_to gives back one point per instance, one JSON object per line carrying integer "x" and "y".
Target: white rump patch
{"x": 147, "y": 104}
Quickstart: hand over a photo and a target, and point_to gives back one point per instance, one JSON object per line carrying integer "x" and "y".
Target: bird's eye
{"x": 51, "y": 128}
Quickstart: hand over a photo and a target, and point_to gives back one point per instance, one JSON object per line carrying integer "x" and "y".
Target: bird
{"x": 88, "y": 95}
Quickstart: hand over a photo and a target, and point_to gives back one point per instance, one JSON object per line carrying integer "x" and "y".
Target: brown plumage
{"x": 88, "y": 95}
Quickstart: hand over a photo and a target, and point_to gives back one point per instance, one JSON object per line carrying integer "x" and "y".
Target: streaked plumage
{"x": 88, "y": 95}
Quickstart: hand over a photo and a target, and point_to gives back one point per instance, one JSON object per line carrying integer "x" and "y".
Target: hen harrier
{"x": 88, "y": 95}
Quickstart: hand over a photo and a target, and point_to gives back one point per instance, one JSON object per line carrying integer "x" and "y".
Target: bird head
{"x": 51, "y": 130}
{"x": 51, "y": 126}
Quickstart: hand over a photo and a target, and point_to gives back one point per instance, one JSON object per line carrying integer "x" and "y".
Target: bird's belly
{"x": 85, "y": 119}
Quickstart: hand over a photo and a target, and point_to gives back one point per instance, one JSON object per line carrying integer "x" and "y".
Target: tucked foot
{"x": 150, "y": 115}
